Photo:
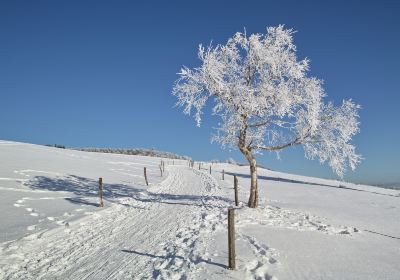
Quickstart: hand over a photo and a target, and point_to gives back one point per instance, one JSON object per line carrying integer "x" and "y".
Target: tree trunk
{"x": 253, "y": 199}
{"x": 247, "y": 152}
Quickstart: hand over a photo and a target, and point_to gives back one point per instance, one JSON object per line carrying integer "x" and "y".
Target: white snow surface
{"x": 51, "y": 225}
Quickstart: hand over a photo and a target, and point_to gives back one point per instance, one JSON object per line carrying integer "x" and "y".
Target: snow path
{"x": 305, "y": 228}
{"x": 123, "y": 240}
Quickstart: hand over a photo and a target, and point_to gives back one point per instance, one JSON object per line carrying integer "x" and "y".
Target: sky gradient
{"x": 100, "y": 73}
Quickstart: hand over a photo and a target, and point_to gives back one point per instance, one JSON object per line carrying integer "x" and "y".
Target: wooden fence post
{"x": 223, "y": 174}
{"x": 199, "y": 165}
{"x": 235, "y": 183}
{"x": 101, "y": 192}
{"x": 210, "y": 169}
{"x": 145, "y": 176}
{"x": 161, "y": 169}
{"x": 231, "y": 238}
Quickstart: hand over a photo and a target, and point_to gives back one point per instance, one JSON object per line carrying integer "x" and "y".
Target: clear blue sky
{"x": 100, "y": 73}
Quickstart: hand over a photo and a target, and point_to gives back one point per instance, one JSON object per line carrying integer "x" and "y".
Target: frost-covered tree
{"x": 267, "y": 101}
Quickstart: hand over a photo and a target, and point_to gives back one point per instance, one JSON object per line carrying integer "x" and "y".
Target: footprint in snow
{"x": 260, "y": 268}
{"x": 30, "y": 228}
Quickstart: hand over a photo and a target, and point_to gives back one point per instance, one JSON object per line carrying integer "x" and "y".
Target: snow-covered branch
{"x": 260, "y": 89}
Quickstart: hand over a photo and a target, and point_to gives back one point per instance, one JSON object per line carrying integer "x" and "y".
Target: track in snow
{"x": 162, "y": 234}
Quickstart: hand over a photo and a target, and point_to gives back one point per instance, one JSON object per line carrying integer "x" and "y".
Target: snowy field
{"x": 176, "y": 228}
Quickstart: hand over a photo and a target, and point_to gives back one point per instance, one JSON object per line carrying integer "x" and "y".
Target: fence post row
{"x": 145, "y": 177}
{"x": 231, "y": 238}
{"x": 101, "y": 192}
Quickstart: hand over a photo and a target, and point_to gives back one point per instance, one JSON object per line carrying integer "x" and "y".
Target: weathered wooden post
{"x": 210, "y": 169}
{"x": 231, "y": 238}
{"x": 145, "y": 176}
{"x": 161, "y": 169}
{"x": 235, "y": 183}
{"x": 163, "y": 166}
{"x": 199, "y": 165}
{"x": 101, "y": 192}
{"x": 223, "y": 174}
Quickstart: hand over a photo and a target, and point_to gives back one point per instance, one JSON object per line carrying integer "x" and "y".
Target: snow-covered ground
{"x": 305, "y": 228}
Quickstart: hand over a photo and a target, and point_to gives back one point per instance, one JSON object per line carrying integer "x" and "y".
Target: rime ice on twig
{"x": 263, "y": 94}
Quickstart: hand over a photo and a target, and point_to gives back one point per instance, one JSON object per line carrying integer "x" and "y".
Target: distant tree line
{"x": 56, "y": 146}
{"x": 135, "y": 151}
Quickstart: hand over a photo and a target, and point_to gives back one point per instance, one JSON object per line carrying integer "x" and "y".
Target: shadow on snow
{"x": 195, "y": 261}
{"x": 86, "y": 190}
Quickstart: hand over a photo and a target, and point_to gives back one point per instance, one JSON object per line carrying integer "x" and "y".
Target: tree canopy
{"x": 267, "y": 100}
